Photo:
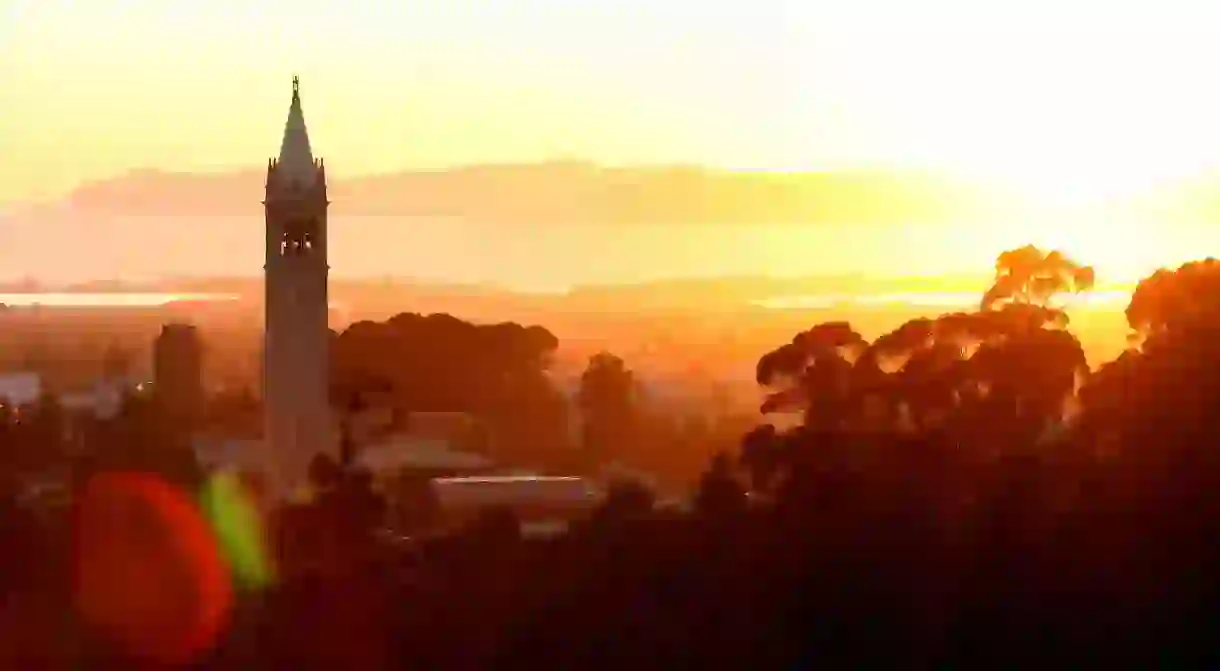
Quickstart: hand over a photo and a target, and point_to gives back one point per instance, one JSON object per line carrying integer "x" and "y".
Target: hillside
{"x": 564, "y": 193}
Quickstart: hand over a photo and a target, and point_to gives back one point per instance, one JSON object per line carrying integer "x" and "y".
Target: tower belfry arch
{"x": 296, "y": 336}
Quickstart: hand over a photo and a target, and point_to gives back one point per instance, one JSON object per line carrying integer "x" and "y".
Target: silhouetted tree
{"x": 625, "y": 500}
{"x": 1029, "y": 275}
{"x": 496, "y": 527}
{"x": 350, "y": 397}
{"x": 933, "y": 504}
{"x": 325, "y": 473}
{"x": 720, "y": 495}
{"x": 138, "y": 439}
{"x": 497, "y": 373}
{"x": 607, "y": 400}
{"x": 235, "y": 411}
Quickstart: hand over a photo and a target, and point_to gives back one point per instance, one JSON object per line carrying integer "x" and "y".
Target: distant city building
{"x": 103, "y": 400}
{"x": 18, "y": 389}
{"x": 297, "y": 418}
{"x": 178, "y": 373}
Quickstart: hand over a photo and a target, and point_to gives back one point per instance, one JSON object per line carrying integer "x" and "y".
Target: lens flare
{"x": 148, "y": 569}
{"x": 237, "y": 522}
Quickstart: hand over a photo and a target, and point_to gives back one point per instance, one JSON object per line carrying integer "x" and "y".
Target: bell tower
{"x": 297, "y": 420}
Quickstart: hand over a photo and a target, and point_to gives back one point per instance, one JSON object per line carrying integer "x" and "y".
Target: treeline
{"x": 500, "y": 373}
{"x": 961, "y": 492}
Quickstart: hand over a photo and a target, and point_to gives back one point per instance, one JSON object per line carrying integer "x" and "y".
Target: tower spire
{"x": 296, "y": 406}
{"x": 296, "y": 163}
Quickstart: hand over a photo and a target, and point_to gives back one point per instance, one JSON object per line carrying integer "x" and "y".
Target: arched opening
{"x": 298, "y": 237}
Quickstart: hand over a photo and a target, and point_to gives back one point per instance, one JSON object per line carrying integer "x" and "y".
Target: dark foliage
{"x": 960, "y": 493}
{"x": 439, "y": 363}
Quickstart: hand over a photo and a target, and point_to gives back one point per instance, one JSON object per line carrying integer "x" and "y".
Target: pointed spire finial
{"x": 296, "y": 163}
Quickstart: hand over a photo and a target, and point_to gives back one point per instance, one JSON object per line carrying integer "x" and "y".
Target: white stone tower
{"x": 297, "y": 420}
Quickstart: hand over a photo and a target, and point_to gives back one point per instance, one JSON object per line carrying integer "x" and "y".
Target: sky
{"x": 1073, "y": 101}
{"x": 1112, "y": 94}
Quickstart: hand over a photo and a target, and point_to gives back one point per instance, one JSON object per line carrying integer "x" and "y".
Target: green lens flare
{"x": 238, "y": 525}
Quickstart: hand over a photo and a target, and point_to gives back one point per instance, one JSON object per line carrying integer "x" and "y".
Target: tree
{"x": 495, "y": 528}
{"x": 1002, "y": 375}
{"x": 608, "y": 403}
{"x": 234, "y": 411}
{"x": 1029, "y": 275}
{"x": 350, "y": 397}
{"x": 1166, "y": 384}
{"x": 625, "y": 500}
{"x": 762, "y": 454}
{"x": 325, "y": 473}
{"x": 438, "y": 363}
{"x": 720, "y": 496}
{"x": 812, "y": 373}
{"x": 1171, "y": 303}
{"x": 139, "y": 438}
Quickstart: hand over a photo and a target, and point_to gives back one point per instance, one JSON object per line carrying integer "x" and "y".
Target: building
{"x": 101, "y": 400}
{"x": 427, "y": 444}
{"x": 18, "y": 389}
{"x": 178, "y": 373}
{"x": 297, "y": 417}
{"x": 104, "y": 400}
{"x": 399, "y": 454}
{"x": 543, "y": 505}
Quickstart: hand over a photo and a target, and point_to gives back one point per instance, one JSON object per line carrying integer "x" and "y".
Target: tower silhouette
{"x": 297, "y": 421}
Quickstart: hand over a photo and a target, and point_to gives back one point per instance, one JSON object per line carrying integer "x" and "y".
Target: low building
{"x": 424, "y": 444}
{"x": 430, "y": 457}
{"x": 103, "y": 400}
{"x": 20, "y": 388}
{"x": 539, "y": 502}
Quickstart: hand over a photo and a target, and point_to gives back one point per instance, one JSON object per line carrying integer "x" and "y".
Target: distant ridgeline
{"x": 565, "y": 191}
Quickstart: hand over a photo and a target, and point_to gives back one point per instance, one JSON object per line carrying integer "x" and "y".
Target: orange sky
{"x": 95, "y": 87}
{"x": 1072, "y": 102}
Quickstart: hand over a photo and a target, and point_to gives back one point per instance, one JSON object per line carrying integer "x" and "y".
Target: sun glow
{"x": 1120, "y": 250}
{"x": 1072, "y": 106}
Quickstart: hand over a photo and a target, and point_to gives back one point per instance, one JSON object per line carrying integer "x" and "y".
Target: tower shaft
{"x": 296, "y": 340}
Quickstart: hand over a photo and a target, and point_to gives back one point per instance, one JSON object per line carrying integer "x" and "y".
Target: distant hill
{"x": 542, "y": 226}
{"x": 566, "y": 193}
